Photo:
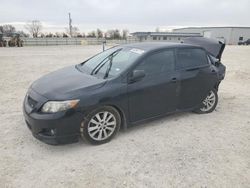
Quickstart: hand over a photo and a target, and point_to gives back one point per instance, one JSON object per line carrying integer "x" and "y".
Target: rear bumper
{"x": 54, "y": 129}
{"x": 221, "y": 71}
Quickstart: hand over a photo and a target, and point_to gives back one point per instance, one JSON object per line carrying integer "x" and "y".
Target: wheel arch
{"x": 216, "y": 86}
{"x": 116, "y": 107}
{"x": 122, "y": 114}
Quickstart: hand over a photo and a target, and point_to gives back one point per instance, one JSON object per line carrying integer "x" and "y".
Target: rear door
{"x": 197, "y": 77}
{"x": 156, "y": 93}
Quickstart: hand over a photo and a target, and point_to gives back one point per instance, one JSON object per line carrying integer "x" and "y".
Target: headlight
{"x": 57, "y": 106}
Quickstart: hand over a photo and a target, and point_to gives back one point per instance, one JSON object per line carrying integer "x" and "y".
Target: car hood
{"x": 66, "y": 83}
{"x": 213, "y": 46}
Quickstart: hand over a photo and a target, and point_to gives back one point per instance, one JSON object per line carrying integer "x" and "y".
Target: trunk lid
{"x": 213, "y": 46}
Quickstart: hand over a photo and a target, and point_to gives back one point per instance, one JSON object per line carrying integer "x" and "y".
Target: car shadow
{"x": 123, "y": 133}
{"x": 158, "y": 121}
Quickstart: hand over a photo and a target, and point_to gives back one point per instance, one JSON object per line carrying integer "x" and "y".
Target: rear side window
{"x": 158, "y": 62}
{"x": 188, "y": 58}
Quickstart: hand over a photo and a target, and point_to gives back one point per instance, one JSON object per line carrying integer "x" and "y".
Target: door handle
{"x": 174, "y": 80}
{"x": 193, "y": 69}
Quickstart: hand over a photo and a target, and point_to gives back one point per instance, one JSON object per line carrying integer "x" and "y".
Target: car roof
{"x": 151, "y": 46}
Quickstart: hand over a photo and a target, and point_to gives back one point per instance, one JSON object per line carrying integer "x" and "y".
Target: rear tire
{"x": 209, "y": 103}
{"x": 101, "y": 125}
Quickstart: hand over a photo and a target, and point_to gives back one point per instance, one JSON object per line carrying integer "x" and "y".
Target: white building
{"x": 162, "y": 36}
{"x": 230, "y": 35}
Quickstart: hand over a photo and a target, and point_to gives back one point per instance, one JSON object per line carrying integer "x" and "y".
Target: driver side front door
{"x": 156, "y": 93}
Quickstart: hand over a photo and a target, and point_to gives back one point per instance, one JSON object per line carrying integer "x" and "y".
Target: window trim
{"x": 191, "y": 67}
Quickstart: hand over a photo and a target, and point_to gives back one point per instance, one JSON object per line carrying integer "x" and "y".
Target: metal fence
{"x": 72, "y": 41}
{"x": 50, "y": 41}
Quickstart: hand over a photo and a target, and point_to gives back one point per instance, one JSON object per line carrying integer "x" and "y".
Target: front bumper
{"x": 54, "y": 129}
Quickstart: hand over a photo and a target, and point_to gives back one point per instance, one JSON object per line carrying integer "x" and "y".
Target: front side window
{"x": 158, "y": 62}
{"x": 189, "y": 58}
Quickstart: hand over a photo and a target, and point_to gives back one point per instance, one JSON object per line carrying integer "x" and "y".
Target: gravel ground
{"x": 182, "y": 150}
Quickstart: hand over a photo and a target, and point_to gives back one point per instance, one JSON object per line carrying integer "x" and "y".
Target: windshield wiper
{"x": 103, "y": 62}
{"x": 98, "y": 67}
{"x": 108, "y": 69}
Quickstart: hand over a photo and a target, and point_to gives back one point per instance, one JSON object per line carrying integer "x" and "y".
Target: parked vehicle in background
{"x": 3, "y": 42}
{"x": 15, "y": 41}
{"x": 122, "y": 86}
{"x": 247, "y": 42}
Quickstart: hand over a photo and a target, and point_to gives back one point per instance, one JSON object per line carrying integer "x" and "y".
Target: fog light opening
{"x": 48, "y": 132}
{"x": 53, "y": 132}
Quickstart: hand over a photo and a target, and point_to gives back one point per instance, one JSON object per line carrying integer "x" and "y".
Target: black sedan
{"x": 122, "y": 86}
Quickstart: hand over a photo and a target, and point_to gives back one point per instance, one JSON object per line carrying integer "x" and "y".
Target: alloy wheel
{"x": 209, "y": 102}
{"x": 101, "y": 126}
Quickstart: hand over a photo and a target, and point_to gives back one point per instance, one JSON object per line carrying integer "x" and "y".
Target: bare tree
{"x": 117, "y": 34}
{"x": 7, "y": 30}
{"x": 125, "y": 33}
{"x": 58, "y": 35}
{"x": 65, "y": 35}
{"x": 113, "y": 34}
{"x": 109, "y": 34}
{"x": 23, "y": 34}
{"x": 91, "y": 34}
{"x": 49, "y": 35}
{"x": 99, "y": 33}
{"x": 42, "y": 35}
{"x": 34, "y": 27}
{"x": 74, "y": 31}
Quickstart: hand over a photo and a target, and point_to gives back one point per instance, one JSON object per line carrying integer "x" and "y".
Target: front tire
{"x": 209, "y": 103}
{"x": 101, "y": 125}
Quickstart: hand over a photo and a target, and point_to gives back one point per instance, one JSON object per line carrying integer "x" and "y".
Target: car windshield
{"x": 111, "y": 62}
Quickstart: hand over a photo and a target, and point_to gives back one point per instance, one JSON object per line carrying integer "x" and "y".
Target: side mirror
{"x": 136, "y": 76}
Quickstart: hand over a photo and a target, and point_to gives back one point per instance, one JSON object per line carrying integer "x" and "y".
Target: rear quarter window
{"x": 190, "y": 57}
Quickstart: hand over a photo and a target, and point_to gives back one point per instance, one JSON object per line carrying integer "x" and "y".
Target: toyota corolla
{"x": 122, "y": 86}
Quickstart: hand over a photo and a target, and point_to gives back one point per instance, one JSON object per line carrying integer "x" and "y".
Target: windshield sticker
{"x": 137, "y": 51}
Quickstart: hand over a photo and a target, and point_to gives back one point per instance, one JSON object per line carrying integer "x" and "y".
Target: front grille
{"x": 32, "y": 103}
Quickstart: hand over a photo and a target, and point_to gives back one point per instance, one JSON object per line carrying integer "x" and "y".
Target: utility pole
{"x": 70, "y": 25}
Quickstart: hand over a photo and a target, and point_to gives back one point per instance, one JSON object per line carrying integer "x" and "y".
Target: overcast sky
{"x": 135, "y": 15}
